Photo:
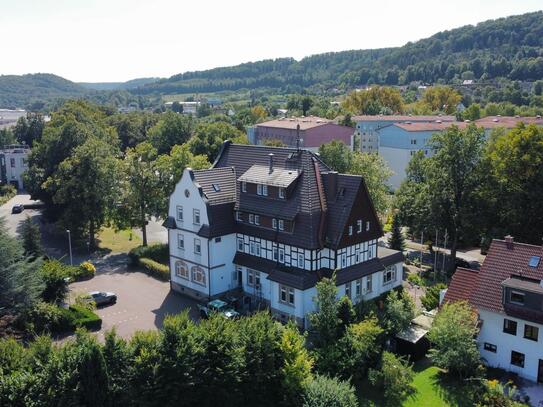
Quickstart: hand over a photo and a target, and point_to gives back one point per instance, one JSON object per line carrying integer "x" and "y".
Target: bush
{"x": 329, "y": 392}
{"x": 54, "y": 274}
{"x": 157, "y": 252}
{"x": 85, "y": 318}
{"x": 155, "y": 269}
{"x": 415, "y": 279}
{"x": 87, "y": 270}
{"x": 44, "y": 317}
{"x": 394, "y": 378}
{"x": 430, "y": 300}
{"x": 7, "y": 192}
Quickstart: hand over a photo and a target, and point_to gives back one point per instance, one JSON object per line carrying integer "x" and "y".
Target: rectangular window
{"x": 282, "y": 193}
{"x": 517, "y": 297}
{"x": 531, "y": 332}
{"x": 301, "y": 261}
{"x": 281, "y": 255}
{"x": 218, "y": 240}
{"x": 262, "y": 189}
{"x": 490, "y": 347}
{"x": 243, "y": 186}
{"x": 180, "y": 213}
{"x": 251, "y": 218}
{"x": 369, "y": 283}
{"x": 257, "y": 252}
{"x": 293, "y": 260}
{"x": 348, "y": 290}
{"x": 181, "y": 270}
{"x": 358, "y": 287}
{"x": 196, "y": 216}
{"x": 509, "y": 327}
{"x": 517, "y": 358}
{"x": 257, "y": 279}
{"x": 281, "y": 224}
{"x": 389, "y": 275}
{"x": 357, "y": 256}
{"x": 367, "y": 226}
{"x": 257, "y": 220}
{"x": 343, "y": 260}
{"x": 259, "y": 189}
{"x": 275, "y": 253}
{"x": 197, "y": 246}
{"x": 265, "y": 190}
{"x": 252, "y": 247}
{"x": 350, "y": 230}
{"x": 250, "y": 278}
{"x": 274, "y": 223}
{"x": 240, "y": 244}
{"x": 181, "y": 241}
{"x": 359, "y": 226}
{"x": 12, "y": 162}
{"x": 286, "y": 295}
{"x": 238, "y": 216}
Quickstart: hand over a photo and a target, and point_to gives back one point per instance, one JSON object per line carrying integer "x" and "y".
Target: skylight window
{"x": 534, "y": 261}
{"x": 216, "y": 187}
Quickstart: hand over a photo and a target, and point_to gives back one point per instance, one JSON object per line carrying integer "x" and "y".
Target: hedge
{"x": 45, "y": 317}
{"x": 155, "y": 268}
{"x": 157, "y": 252}
{"x": 85, "y": 318}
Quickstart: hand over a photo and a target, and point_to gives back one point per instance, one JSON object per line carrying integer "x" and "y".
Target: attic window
{"x": 534, "y": 261}
{"x": 216, "y": 187}
{"x": 341, "y": 192}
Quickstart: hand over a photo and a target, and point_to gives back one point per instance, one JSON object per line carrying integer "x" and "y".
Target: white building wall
{"x": 397, "y": 160}
{"x": 492, "y": 332}
{"x": 16, "y": 164}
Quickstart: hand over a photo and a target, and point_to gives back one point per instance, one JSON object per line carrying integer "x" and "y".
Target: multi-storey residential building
{"x": 310, "y": 131}
{"x": 508, "y": 295}
{"x": 368, "y": 127}
{"x": 13, "y": 164}
{"x": 268, "y": 223}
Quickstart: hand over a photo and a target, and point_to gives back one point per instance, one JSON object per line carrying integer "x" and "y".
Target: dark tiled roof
{"x": 221, "y": 221}
{"x": 385, "y": 257}
{"x": 524, "y": 284}
{"x": 278, "y": 177}
{"x": 462, "y": 285}
{"x": 222, "y": 178}
{"x": 389, "y": 256}
{"x": 281, "y": 208}
{"x": 169, "y": 223}
{"x": 503, "y": 261}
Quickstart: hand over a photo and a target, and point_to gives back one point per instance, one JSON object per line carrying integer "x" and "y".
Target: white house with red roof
{"x": 508, "y": 295}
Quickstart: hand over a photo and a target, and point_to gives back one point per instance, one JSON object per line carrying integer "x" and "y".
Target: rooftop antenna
{"x": 298, "y": 137}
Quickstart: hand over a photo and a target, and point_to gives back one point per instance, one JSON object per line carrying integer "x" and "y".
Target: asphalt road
{"x": 142, "y": 301}
{"x": 13, "y": 221}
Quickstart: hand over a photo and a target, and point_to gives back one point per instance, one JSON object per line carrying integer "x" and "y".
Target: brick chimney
{"x": 509, "y": 242}
{"x": 331, "y": 191}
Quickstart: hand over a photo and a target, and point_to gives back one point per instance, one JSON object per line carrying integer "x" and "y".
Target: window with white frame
{"x": 281, "y": 255}
{"x": 275, "y": 253}
{"x": 252, "y": 247}
{"x": 197, "y": 246}
{"x": 238, "y": 216}
{"x": 293, "y": 260}
{"x": 301, "y": 260}
{"x": 357, "y": 256}
{"x": 369, "y": 284}
{"x": 257, "y": 220}
{"x": 181, "y": 269}
{"x": 180, "y": 241}
{"x": 251, "y": 218}
{"x": 198, "y": 275}
{"x": 257, "y": 251}
{"x": 281, "y": 224}
{"x": 274, "y": 223}
{"x": 196, "y": 216}
{"x": 235, "y": 275}
{"x": 253, "y": 278}
{"x": 367, "y": 226}
{"x": 180, "y": 213}
{"x": 265, "y": 190}
{"x": 343, "y": 260}
{"x": 389, "y": 275}
{"x": 262, "y": 189}
{"x": 348, "y": 289}
{"x": 359, "y": 226}
{"x": 243, "y": 186}
{"x": 282, "y": 193}
{"x": 358, "y": 287}
{"x": 350, "y": 230}
{"x": 286, "y": 295}
{"x": 240, "y": 244}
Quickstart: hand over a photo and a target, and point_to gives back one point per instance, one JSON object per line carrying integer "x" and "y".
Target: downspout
{"x": 209, "y": 270}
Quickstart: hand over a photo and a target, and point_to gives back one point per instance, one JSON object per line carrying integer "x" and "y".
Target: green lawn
{"x": 117, "y": 242}
{"x": 434, "y": 389}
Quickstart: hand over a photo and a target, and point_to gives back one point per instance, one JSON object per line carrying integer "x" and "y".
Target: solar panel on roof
{"x": 216, "y": 187}
{"x": 534, "y": 261}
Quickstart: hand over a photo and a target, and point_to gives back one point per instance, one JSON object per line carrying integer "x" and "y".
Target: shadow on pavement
{"x": 174, "y": 304}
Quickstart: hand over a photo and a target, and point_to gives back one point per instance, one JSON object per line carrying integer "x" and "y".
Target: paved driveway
{"x": 142, "y": 301}
{"x": 13, "y": 221}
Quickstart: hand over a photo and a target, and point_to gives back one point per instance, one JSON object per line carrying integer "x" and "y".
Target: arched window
{"x": 198, "y": 275}
{"x": 181, "y": 269}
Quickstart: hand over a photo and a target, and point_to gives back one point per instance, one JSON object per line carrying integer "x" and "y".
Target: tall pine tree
{"x": 396, "y": 240}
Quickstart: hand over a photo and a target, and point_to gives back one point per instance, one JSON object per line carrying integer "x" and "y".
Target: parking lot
{"x": 142, "y": 301}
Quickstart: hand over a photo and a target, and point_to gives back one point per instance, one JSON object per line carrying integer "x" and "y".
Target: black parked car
{"x": 17, "y": 208}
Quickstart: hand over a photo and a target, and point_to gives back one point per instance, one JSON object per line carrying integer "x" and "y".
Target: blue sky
{"x": 118, "y": 40}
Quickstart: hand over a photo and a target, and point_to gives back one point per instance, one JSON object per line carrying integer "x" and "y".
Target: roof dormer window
{"x": 216, "y": 187}
{"x": 282, "y": 193}
{"x": 262, "y": 189}
{"x": 243, "y": 186}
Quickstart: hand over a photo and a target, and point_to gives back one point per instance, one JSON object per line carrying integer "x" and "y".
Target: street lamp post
{"x": 70, "y": 246}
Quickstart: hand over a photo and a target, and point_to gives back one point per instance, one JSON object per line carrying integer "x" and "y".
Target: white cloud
{"x": 117, "y": 40}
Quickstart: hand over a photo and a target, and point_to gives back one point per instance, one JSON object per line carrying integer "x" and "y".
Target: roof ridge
{"x": 519, "y": 243}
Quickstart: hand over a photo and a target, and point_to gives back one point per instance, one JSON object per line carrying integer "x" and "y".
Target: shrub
{"x": 54, "y": 275}
{"x": 44, "y": 317}
{"x": 7, "y": 192}
{"x": 430, "y": 300}
{"x": 415, "y": 279}
{"x": 155, "y": 269}
{"x": 394, "y": 378}
{"x": 85, "y": 318}
{"x": 157, "y": 252}
{"x": 329, "y": 392}
{"x": 86, "y": 270}
{"x": 85, "y": 301}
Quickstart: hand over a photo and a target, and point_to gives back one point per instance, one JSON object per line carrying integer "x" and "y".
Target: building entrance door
{"x": 540, "y": 372}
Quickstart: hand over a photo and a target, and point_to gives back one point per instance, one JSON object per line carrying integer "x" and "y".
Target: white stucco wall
{"x": 492, "y": 332}
{"x": 397, "y": 160}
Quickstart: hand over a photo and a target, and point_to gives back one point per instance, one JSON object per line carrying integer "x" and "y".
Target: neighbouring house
{"x": 413, "y": 341}
{"x": 399, "y": 141}
{"x": 9, "y": 117}
{"x": 13, "y": 164}
{"x": 507, "y": 293}
{"x": 311, "y": 131}
{"x": 265, "y": 224}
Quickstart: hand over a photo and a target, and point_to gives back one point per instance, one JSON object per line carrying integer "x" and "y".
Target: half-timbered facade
{"x": 270, "y": 222}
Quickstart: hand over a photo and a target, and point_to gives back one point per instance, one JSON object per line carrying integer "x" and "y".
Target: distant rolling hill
{"x": 132, "y": 84}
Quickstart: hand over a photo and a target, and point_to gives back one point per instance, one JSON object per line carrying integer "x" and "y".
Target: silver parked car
{"x": 103, "y": 297}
